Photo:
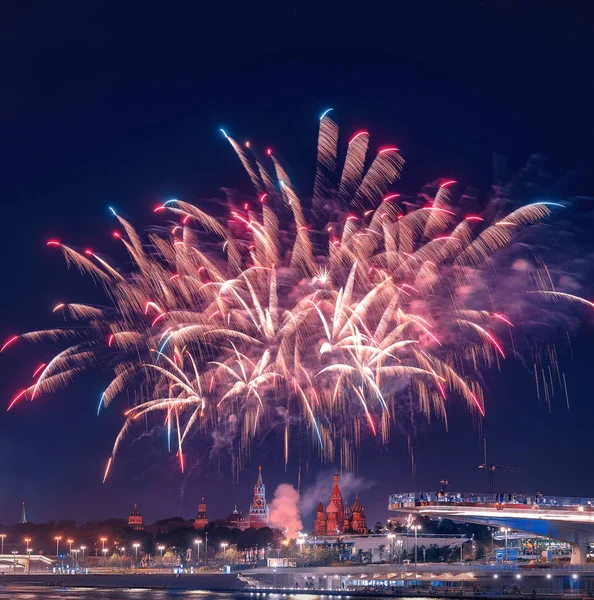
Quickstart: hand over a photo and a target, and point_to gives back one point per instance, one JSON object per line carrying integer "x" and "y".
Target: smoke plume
{"x": 284, "y": 510}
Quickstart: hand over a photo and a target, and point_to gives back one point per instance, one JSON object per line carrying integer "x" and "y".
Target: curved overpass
{"x": 568, "y": 519}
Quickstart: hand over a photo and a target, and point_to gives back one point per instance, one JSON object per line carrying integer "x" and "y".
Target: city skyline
{"x": 219, "y": 514}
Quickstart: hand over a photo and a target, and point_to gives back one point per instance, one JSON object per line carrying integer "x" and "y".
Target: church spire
{"x": 259, "y": 509}
{"x": 201, "y": 519}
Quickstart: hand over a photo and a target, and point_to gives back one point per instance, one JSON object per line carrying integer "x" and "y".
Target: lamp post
{"x": 300, "y": 541}
{"x": 104, "y": 551}
{"x": 161, "y": 548}
{"x": 82, "y": 549}
{"x": 27, "y": 540}
{"x": 224, "y": 547}
{"x": 550, "y": 578}
{"x": 57, "y": 538}
{"x": 103, "y": 540}
{"x": 70, "y": 542}
{"x": 197, "y": 542}
{"x": 416, "y": 530}
{"x": 75, "y": 552}
{"x": 505, "y": 530}
{"x": 2, "y": 537}
{"x": 136, "y": 546}
{"x": 391, "y": 537}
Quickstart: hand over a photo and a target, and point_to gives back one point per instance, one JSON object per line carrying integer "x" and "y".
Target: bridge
{"x": 567, "y": 519}
{"x": 21, "y": 563}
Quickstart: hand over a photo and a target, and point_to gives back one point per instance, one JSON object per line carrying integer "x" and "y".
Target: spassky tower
{"x": 258, "y": 508}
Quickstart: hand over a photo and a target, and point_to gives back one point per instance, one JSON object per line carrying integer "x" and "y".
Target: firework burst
{"x": 326, "y": 321}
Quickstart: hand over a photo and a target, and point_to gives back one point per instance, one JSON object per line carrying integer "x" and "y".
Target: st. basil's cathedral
{"x": 338, "y": 518}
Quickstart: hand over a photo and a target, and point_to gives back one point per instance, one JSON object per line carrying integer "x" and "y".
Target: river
{"x": 19, "y": 592}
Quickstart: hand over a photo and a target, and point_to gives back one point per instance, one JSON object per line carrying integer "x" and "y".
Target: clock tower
{"x": 258, "y": 508}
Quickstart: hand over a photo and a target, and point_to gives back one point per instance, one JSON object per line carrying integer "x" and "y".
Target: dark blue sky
{"x": 120, "y": 104}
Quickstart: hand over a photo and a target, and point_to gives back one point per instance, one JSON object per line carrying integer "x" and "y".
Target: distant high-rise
{"x": 23, "y": 514}
{"x": 201, "y": 519}
{"x": 135, "y": 520}
{"x": 258, "y": 508}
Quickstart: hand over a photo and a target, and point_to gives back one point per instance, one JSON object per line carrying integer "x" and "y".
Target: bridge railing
{"x": 410, "y": 499}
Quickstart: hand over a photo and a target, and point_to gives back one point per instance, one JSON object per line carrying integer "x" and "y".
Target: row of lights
{"x": 69, "y": 541}
{"x": 549, "y": 576}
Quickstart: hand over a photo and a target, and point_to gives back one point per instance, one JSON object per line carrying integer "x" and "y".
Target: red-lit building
{"x": 201, "y": 519}
{"x": 135, "y": 520}
{"x": 338, "y": 518}
{"x": 258, "y": 508}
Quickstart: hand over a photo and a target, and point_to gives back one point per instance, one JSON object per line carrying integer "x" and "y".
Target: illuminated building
{"x": 338, "y": 518}
{"x": 135, "y": 520}
{"x": 258, "y": 508}
{"x": 233, "y": 521}
{"x": 201, "y": 519}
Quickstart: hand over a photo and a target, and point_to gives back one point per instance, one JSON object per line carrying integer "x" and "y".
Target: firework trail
{"x": 223, "y": 325}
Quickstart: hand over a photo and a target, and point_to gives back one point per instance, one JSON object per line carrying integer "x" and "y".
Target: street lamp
{"x": 416, "y": 530}
{"x": 70, "y": 542}
{"x": 83, "y": 548}
{"x": 400, "y": 543}
{"x": 197, "y": 542}
{"x": 58, "y": 538}
{"x": 2, "y": 537}
{"x": 505, "y": 530}
{"x": 136, "y": 546}
{"x": 391, "y": 537}
{"x": 75, "y": 552}
{"x": 27, "y": 540}
{"x": 224, "y": 547}
{"x": 161, "y": 548}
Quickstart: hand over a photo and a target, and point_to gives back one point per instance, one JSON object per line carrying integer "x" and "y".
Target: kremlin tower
{"x": 201, "y": 519}
{"x": 337, "y": 518}
{"x": 135, "y": 520}
{"x": 258, "y": 508}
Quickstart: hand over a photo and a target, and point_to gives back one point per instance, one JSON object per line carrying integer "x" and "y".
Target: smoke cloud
{"x": 284, "y": 510}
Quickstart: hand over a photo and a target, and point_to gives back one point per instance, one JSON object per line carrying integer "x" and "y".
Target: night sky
{"x": 120, "y": 104}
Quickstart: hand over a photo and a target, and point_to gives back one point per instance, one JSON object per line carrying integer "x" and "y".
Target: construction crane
{"x": 491, "y": 468}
